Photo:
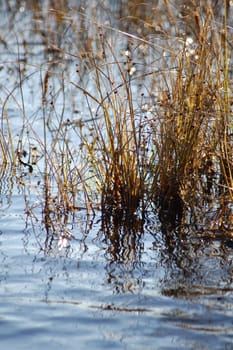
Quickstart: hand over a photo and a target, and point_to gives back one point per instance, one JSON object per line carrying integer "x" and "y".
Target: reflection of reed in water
{"x": 124, "y": 241}
{"x": 196, "y": 264}
{"x": 6, "y": 185}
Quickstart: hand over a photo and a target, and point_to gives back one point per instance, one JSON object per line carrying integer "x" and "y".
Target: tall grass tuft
{"x": 225, "y": 127}
{"x": 193, "y": 126}
{"x": 116, "y": 145}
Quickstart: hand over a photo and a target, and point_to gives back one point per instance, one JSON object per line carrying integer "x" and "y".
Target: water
{"x": 82, "y": 297}
{"x": 81, "y": 288}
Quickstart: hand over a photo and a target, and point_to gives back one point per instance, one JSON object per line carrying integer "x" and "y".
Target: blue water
{"x": 77, "y": 297}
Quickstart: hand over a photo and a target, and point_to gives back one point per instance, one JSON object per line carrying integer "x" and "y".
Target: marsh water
{"x": 91, "y": 288}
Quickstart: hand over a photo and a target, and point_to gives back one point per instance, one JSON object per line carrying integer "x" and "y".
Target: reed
{"x": 193, "y": 125}
{"x": 116, "y": 145}
{"x": 186, "y": 154}
{"x": 225, "y": 112}
{"x": 122, "y": 157}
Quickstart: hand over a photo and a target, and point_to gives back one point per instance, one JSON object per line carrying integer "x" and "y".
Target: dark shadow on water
{"x": 171, "y": 213}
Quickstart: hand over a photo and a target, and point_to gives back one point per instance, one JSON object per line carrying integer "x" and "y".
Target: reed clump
{"x": 186, "y": 122}
{"x": 186, "y": 154}
{"x": 116, "y": 145}
{"x": 193, "y": 144}
{"x": 156, "y": 131}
